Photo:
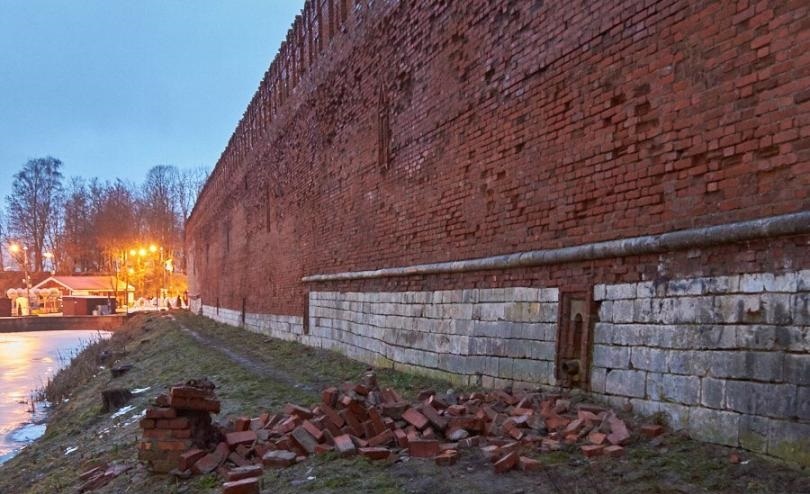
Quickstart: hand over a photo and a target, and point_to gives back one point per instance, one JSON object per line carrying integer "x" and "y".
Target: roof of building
{"x": 16, "y": 279}
{"x": 87, "y": 283}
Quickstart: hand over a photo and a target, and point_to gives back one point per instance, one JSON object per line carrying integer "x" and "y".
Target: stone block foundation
{"x": 725, "y": 358}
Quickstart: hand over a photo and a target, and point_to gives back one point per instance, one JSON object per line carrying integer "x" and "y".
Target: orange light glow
{"x": 142, "y": 252}
{"x": 14, "y": 248}
{"x": 133, "y": 252}
{"x": 153, "y": 248}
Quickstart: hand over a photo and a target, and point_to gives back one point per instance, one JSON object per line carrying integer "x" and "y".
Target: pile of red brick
{"x": 178, "y": 422}
{"x": 379, "y": 424}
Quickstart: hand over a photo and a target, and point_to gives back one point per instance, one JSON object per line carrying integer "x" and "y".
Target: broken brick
{"x": 506, "y": 463}
{"x": 244, "y": 486}
{"x": 413, "y": 417}
{"x": 344, "y": 445}
{"x": 423, "y": 448}
{"x": 375, "y": 453}
{"x": 592, "y": 450}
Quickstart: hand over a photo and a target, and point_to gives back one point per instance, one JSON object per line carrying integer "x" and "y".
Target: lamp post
{"x": 15, "y": 249}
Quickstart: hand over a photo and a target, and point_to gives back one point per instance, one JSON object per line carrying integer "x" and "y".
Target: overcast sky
{"x": 113, "y": 88}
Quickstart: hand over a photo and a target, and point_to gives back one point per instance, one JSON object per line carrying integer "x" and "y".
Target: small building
{"x": 106, "y": 286}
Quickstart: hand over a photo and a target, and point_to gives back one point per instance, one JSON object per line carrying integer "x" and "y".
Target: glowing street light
{"x": 142, "y": 252}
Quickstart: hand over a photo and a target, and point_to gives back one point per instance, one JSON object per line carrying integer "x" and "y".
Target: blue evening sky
{"x": 113, "y": 88}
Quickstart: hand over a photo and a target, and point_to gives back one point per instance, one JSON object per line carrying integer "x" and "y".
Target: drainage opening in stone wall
{"x": 574, "y": 343}
{"x": 217, "y": 305}
{"x": 244, "y": 304}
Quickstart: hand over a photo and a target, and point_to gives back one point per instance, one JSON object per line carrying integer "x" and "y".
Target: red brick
{"x": 304, "y": 439}
{"x": 652, "y": 430}
{"x": 177, "y": 423}
{"x": 375, "y": 453}
{"x": 413, "y": 417}
{"x": 614, "y": 451}
{"x": 507, "y": 463}
{"x": 292, "y": 409}
{"x": 329, "y": 396}
{"x": 423, "y": 448}
{"x": 189, "y": 458}
{"x": 244, "y": 486}
{"x": 527, "y": 464}
{"x": 161, "y": 413}
{"x": 382, "y": 439}
{"x": 236, "y": 438}
{"x": 592, "y": 450}
{"x": 278, "y": 459}
{"x": 313, "y": 430}
{"x": 446, "y": 458}
{"x": 436, "y": 420}
{"x": 344, "y": 445}
{"x": 401, "y": 437}
{"x": 241, "y": 424}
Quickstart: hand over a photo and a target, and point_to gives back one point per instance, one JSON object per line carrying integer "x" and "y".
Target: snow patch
{"x": 123, "y": 411}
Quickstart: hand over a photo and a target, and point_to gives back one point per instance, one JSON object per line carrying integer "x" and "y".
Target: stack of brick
{"x": 362, "y": 419}
{"x": 176, "y": 423}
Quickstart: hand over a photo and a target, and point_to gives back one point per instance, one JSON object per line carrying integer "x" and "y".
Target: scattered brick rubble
{"x": 100, "y": 475}
{"x": 362, "y": 419}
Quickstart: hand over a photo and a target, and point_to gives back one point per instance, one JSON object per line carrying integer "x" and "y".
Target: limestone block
{"x": 626, "y": 383}
{"x": 651, "y": 359}
{"x": 598, "y": 378}
{"x": 681, "y": 389}
{"x": 803, "y": 403}
{"x": 542, "y": 350}
{"x": 762, "y": 366}
{"x": 800, "y": 308}
{"x": 797, "y": 369}
{"x": 506, "y": 368}
{"x": 599, "y": 292}
{"x": 643, "y": 310}
{"x": 684, "y": 287}
{"x": 714, "y": 426}
{"x": 803, "y": 280}
{"x": 631, "y": 334}
{"x": 490, "y": 311}
{"x": 611, "y": 357}
{"x": 689, "y": 362}
{"x": 623, "y": 311}
{"x": 603, "y": 333}
{"x": 620, "y": 291}
{"x": 526, "y": 294}
{"x": 754, "y": 433}
{"x": 789, "y": 440}
{"x": 645, "y": 408}
{"x": 548, "y": 295}
{"x": 772, "y": 400}
{"x": 645, "y": 289}
{"x": 677, "y": 415}
{"x": 605, "y": 311}
{"x": 721, "y": 284}
{"x": 531, "y": 370}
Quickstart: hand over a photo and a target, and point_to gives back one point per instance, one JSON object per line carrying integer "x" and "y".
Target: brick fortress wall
{"x": 397, "y": 134}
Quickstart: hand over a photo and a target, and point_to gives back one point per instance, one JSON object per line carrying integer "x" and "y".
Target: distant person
{"x": 179, "y": 302}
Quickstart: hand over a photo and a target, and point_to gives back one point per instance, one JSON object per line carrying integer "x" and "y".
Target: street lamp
{"x": 15, "y": 249}
{"x": 49, "y": 256}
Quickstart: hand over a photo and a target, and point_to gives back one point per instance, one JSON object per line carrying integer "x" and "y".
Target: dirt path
{"x": 250, "y": 364}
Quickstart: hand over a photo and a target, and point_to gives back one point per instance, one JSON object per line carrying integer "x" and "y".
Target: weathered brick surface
{"x": 530, "y": 126}
{"x": 418, "y": 132}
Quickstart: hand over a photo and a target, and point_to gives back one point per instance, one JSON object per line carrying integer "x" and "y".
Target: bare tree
{"x": 189, "y": 184}
{"x": 33, "y": 205}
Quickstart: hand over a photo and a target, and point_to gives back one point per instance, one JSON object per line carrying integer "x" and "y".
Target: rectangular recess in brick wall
{"x": 574, "y": 342}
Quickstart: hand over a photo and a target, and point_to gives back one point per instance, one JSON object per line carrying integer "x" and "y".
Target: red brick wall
{"x": 511, "y": 125}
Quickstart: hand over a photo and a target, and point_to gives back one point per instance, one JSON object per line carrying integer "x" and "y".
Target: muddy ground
{"x": 254, "y": 374}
